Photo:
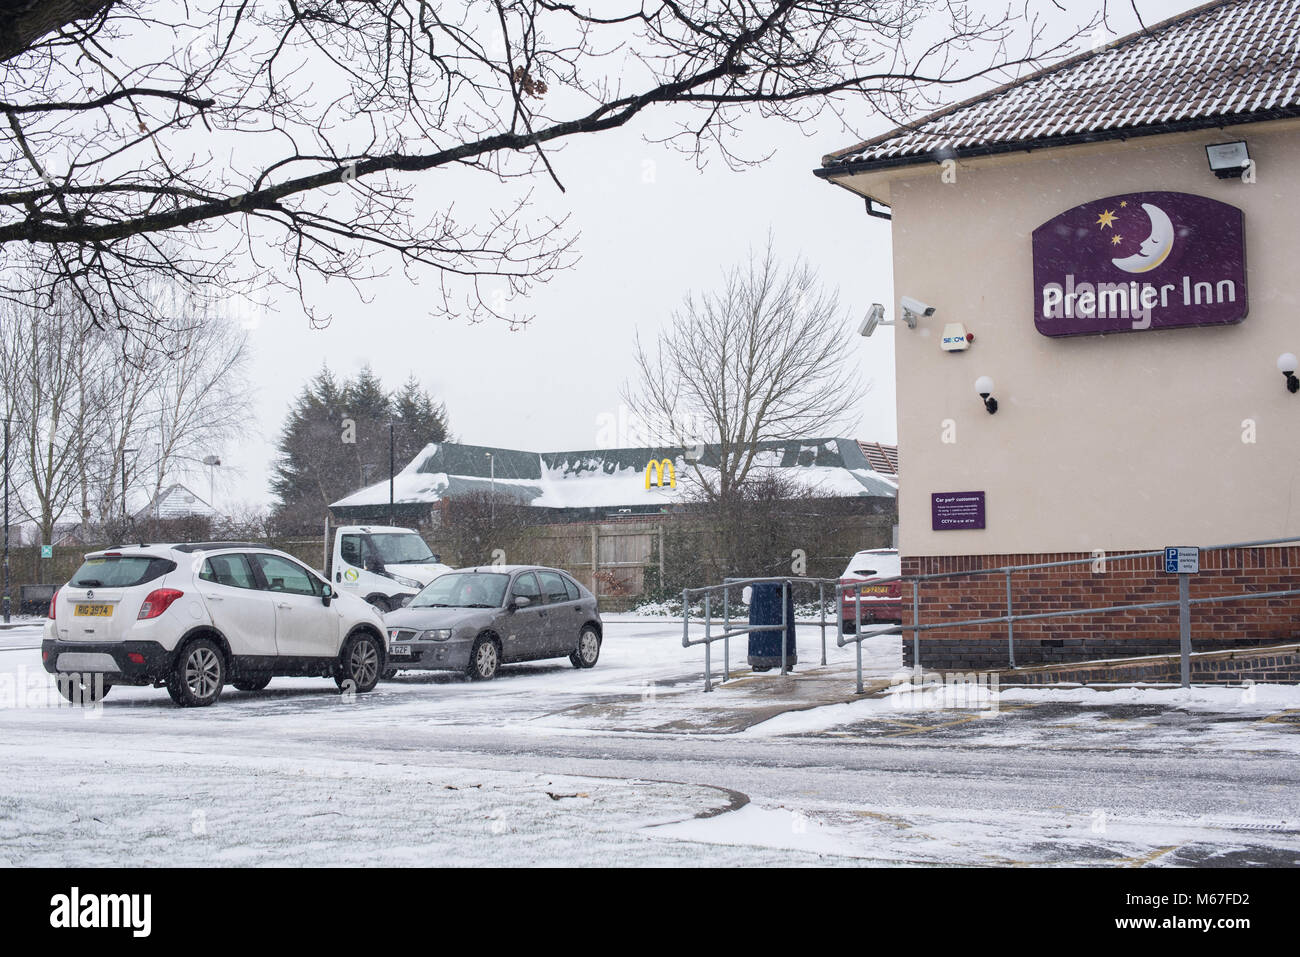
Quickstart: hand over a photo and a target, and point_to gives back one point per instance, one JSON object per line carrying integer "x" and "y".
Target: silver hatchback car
{"x": 476, "y": 619}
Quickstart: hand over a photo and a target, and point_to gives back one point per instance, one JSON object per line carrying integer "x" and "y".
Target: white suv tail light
{"x": 159, "y": 600}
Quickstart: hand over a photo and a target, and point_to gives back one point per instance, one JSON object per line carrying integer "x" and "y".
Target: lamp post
{"x": 212, "y": 461}
{"x": 391, "y": 520}
{"x": 492, "y": 496}
{"x": 124, "y": 515}
{"x": 6, "y": 558}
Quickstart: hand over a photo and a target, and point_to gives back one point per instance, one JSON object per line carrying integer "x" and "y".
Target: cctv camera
{"x": 872, "y": 320}
{"x": 917, "y": 307}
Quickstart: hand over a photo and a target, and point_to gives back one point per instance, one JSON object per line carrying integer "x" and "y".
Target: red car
{"x": 880, "y": 603}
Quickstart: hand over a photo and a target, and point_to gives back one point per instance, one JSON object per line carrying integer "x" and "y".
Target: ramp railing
{"x": 1183, "y": 603}
{"x": 788, "y": 585}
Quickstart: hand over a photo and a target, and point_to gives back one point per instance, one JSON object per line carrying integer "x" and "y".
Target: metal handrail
{"x": 786, "y": 583}
{"x": 1183, "y": 603}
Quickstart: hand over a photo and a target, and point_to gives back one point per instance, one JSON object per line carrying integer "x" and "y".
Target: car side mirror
{"x": 327, "y": 595}
{"x": 374, "y": 565}
{"x": 521, "y": 601}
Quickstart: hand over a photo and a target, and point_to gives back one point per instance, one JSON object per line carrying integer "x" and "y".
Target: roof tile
{"x": 1230, "y": 60}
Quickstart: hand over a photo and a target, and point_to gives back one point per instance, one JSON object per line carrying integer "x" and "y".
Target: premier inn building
{"x": 1111, "y": 250}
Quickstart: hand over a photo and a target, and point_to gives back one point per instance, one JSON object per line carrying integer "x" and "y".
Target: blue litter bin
{"x": 765, "y": 645}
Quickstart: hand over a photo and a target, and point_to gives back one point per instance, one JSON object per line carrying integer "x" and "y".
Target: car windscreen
{"x": 120, "y": 571}
{"x": 401, "y": 548}
{"x": 463, "y": 591}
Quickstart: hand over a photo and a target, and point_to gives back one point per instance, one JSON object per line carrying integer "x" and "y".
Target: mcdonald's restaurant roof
{"x": 1220, "y": 64}
{"x": 605, "y": 478}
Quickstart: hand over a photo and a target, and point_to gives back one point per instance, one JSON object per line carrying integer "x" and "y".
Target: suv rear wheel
{"x": 199, "y": 674}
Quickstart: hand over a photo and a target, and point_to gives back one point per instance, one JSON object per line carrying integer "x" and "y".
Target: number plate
{"x": 400, "y": 651}
{"x": 94, "y": 611}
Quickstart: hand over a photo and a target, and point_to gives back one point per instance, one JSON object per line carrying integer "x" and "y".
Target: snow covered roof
{"x": 1223, "y": 63}
{"x": 605, "y": 478}
{"x": 175, "y": 501}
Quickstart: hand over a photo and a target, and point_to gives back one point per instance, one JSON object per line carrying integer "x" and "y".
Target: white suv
{"x": 190, "y": 617}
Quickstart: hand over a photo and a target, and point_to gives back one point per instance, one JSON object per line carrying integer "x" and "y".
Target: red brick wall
{"x": 1116, "y": 634}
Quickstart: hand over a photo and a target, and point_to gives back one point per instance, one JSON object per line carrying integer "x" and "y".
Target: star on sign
{"x": 1116, "y": 239}
{"x": 1123, "y": 203}
{"x": 1106, "y": 218}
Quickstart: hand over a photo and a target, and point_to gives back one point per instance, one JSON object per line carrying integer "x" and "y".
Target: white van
{"x": 386, "y": 566}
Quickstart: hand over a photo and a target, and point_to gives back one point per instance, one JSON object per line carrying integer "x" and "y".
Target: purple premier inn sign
{"x": 1154, "y": 260}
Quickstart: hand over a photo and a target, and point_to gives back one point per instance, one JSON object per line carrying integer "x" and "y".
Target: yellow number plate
{"x": 94, "y": 611}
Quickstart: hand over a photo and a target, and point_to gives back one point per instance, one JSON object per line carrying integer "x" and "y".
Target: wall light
{"x": 1228, "y": 160}
{"x": 1287, "y": 364}
{"x": 984, "y": 386}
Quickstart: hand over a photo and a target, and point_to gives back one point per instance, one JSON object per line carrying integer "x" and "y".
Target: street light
{"x": 492, "y": 477}
{"x": 7, "y": 600}
{"x": 212, "y": 461}
{"x": 124, "y": 515}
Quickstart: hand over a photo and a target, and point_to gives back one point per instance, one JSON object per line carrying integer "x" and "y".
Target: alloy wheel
{"x": 486, "y": 661}
{"x": 363, "y": 663}
{"x": 202, "y": 673}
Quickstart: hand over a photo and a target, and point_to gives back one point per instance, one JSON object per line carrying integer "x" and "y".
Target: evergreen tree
{"x": 419, "y": 420}
{"x": 306, "y": 473}
{"x": 369, "y": 408}
{"x": 335, "y": 441}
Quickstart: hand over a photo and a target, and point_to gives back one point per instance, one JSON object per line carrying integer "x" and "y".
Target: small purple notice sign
{"x": 952, "y": 510}
{"x": 1150, "y": 260}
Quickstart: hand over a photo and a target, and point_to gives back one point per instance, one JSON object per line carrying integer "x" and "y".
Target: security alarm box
{"x": 955, "y": 338}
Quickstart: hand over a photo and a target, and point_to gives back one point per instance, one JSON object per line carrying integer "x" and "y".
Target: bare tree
{"x": 44, "y": 362}
{"x": 192, "y": 138}
{"x": 95, "y": 410}
{"x": 758, "y": 360}
{"x": 479, "y": 522}
{"x": 120, "y": 386}
{"x": 200, "y": 397}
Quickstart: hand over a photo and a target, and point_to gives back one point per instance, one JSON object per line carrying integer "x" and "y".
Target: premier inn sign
{"x": 1153, "y": 260}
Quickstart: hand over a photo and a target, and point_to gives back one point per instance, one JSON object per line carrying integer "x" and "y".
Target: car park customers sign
{"x": 1134, "y": 261}
{"x": 956, "y": 510}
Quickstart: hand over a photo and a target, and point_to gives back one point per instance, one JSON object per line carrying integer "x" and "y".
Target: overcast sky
{"x": 652, "y": 227}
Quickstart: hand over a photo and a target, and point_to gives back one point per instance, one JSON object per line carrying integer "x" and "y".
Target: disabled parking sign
{"x": 1182, "y": 560}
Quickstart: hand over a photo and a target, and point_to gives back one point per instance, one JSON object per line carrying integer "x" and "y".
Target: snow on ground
{"x": 909, "y": 835}
{"x": 904, "y": 698}
{"x": 80, "y": 803}
{"x": 1251, "y": 699}
{"x": 633, "y": 762}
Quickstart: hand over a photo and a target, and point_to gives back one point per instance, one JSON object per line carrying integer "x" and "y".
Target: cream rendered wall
{"x": 1130, "y": 440}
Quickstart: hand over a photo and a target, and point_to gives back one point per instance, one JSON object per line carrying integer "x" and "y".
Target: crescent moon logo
{"x": 1155, "y": 248}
